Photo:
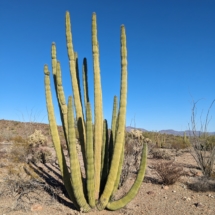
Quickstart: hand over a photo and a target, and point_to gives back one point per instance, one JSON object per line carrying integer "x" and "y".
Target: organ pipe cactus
{"x": 102, "y": 155}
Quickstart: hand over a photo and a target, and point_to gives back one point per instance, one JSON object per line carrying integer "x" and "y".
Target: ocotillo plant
{"x": 102, "y": 156}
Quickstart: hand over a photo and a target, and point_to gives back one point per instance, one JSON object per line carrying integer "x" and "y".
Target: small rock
{"x": 198, "y": 174}
{"x": 184, "y": 186}
{"x": 174, "y": 191}
{"x": 36, "y": 207}
{"x": 165, "y": 187}
{"x": 165, "y": 197}
{"x": 199, "y": 205}
{"x": 186, "y": 198}
{"x": 150, "y": 193}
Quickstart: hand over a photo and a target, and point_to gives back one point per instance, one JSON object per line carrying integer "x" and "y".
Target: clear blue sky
{"x": 171, "y": 56}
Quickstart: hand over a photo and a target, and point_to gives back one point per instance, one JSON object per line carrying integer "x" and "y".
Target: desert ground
{"x": 30, "y": 185}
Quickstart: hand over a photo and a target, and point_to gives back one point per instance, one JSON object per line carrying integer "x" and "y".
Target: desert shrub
{"x": 180, "y": 143}
{"x": 161, "y": 154}
{"x": 132, "y": 157}
{"x": 41, "y": 155}
{"x": 169, "y": 171}
{"x": 25, "y": 193}
{"x": 18, "y": 139}
{"x": 20, "y": 149}
{"x": 203, "y": 149}
{"x": 37, "y": 138}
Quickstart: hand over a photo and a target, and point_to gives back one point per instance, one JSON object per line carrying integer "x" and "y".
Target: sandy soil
{"x": 191, "y": 194}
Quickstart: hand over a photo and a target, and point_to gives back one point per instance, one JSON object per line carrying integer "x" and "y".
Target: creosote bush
{"x": 169, "y": 171}
{"x": 161, "y": 154}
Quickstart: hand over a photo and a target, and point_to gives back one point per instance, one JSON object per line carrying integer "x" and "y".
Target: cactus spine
{"x": 103, "y": 156}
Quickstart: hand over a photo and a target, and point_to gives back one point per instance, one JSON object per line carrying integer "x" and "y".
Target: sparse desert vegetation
{"x": 86, "y": 165}
{"x": 28, "y": 186}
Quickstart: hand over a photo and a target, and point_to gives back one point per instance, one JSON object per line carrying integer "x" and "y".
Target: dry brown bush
{"x": 20, "y": 149}
{"x": 169, "y": 171}
{"x": 40, "y": 155}
{"x": 161, "y": 154}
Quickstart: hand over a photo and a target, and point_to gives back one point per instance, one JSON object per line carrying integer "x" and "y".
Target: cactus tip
{"x": 46, "y": 71}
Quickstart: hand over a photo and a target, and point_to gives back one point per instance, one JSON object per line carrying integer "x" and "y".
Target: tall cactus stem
{"x": 56, "y": 139}
{"x": 98, "y": 122}
{"x": 62, "y": 101}
{"x": 76, "y": 179}
{"x": 75, "y": 87}
{"x": 85, "y": 82}
{"x": 118, "y": 147}
{"x": 119, "y": 171}
{"x": 113, "y": 128}
{"x": 90, "y": 158}
{"x": 105, "y": 156}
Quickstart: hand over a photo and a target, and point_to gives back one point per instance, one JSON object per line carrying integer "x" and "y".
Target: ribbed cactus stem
{"x": 119, "y": 171}
{"x": 114, "y": 118}
{"x": 56, "y": 139}
{"x": 134, "y": 189}
{"x": 113, "y": 128}
{"x": 75, "y": 172}
{"x": 98, "y": 124}
{"x": 62, "y": 100}
{"x": 72, "y": 64}
{"x": 75, "y": 86}
{"x": 105, "y": 154}
{"x": 85, "y": 82}
{"x": 78, "y": 78}
{"x": 54, "y": 58}
{"x": 90, "y": 158}
{"x": 118, "y": 147}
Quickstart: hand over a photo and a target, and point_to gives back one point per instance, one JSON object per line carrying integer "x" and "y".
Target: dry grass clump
{"x": 20, "y": 150}
{"x": 40, "y": 155}
{"x": 26, "y": 193}
{"x": 161, "y": 154}
{"x": 169, "y": 171}
{"x": 30, "y": 149}
{"x": 202, "y": 184}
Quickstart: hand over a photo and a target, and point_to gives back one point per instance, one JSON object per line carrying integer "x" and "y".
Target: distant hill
{"x": 128, "y": 128}
{"x": 168, "y": 131}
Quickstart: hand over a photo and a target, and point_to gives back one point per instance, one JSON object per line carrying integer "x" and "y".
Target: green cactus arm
{"x": 56, "y": 139}
{"x": 56, "y": 71}
{"x": 97, "y": 107}
{"x": 72, "y": 65}
{"x": 85, "y": 82}
{"x": 105, "y": 156}
{"x": 119, "y": 170}
{"x": 104, "y": 141}
{"x": 114, "y": 117}
{"x": 113, "y": 128}
{"x": 78, "y": 78}
{"x": 75, "y": 172}
{"x": 115, "y": 205}
{"x": 121, "y": 128}
{"x": 54, "y": 58}
{"x": 75, "y": 87}
{"x": 62, "y": 101}
{"x": 90, "y": 158}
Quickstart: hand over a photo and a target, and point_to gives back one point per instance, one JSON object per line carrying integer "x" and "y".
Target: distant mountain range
{"x": 168, "y": 131}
